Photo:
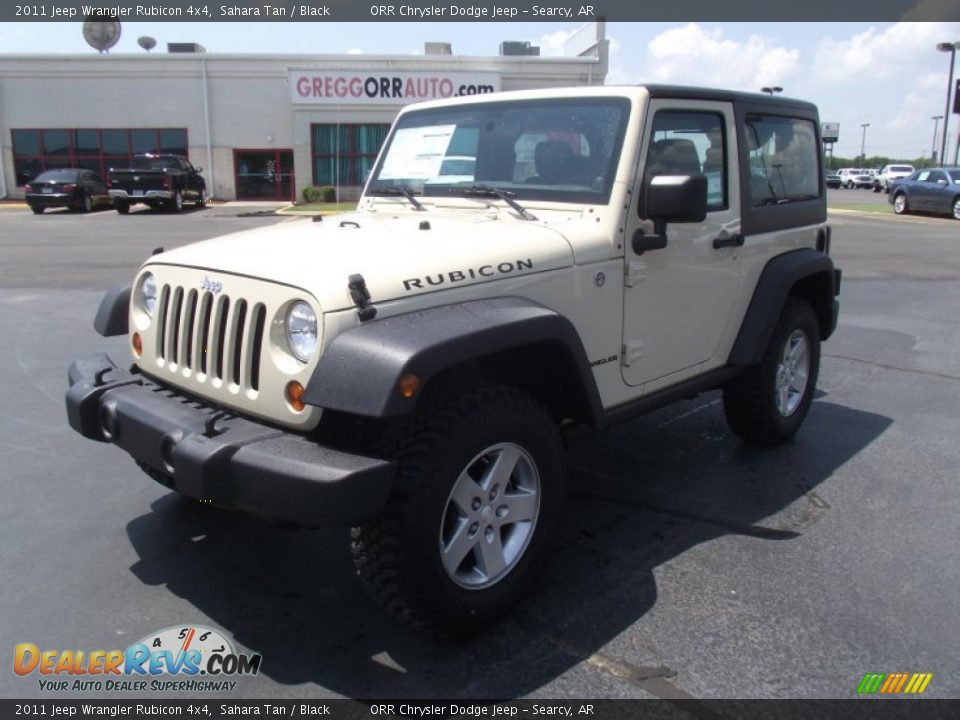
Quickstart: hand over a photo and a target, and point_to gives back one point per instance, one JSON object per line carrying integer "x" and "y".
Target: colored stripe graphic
{"x": 894, "y": 683}
{"x": 918, "y": 683}
{"x": 871, "y": 683}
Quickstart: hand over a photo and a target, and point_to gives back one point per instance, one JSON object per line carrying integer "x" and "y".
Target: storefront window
{"x": 99, "y": 150}
{"x": 344, "y": 154}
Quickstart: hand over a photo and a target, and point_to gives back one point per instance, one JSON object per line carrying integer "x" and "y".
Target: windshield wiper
{"x": 491, "y": 191}
{"x": 397, "y": 191}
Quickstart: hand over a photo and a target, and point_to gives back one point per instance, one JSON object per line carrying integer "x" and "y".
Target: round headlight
{"x": 302, "y": 330}
{"x": 148, "y": 294}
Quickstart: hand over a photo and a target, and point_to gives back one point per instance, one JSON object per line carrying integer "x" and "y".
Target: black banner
{"x": 854, "y": 709}
{"x": 479, "y": 10}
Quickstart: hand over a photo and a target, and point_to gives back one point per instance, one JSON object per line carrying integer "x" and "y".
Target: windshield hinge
{"x": 361, "y": 298}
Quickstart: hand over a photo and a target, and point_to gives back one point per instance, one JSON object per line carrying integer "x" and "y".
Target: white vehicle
{"x": 407, "y": 368}
{"x": 889, "y": 173}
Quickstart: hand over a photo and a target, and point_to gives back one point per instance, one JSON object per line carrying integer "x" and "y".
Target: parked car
{"x": 75, "y": 188}
{"x": 936, "y": 190}
{"x": 832, "y": 180}
{"x": 158, "y": 181}
{"x": 888, "y": 174}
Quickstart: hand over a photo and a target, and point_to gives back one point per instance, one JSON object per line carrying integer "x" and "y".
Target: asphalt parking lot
{"x": 691, "y": 567}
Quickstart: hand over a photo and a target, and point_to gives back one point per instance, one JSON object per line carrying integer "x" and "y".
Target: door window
{"x": 687, "y": 143}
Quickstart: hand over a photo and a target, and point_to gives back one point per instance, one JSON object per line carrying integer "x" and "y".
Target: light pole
{"x": 771, "y": 89}
{"x": 952, "y": 49}
{"x": 863, "y": 143}
{"x": 933, "y": 145}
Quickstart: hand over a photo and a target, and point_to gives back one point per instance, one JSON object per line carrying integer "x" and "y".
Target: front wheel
{"x": 480, "y": 488}
{"x": 768, "y": 402}
{"x": 900, "y": 204}
{"x": 956, "y": 209}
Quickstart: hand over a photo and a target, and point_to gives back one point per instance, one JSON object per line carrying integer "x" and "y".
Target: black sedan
{"x": 936, "y": 190}
{"x": 75, "y": 188}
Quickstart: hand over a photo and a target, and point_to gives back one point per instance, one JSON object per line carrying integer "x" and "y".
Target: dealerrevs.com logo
{"x": 185, "y": 658}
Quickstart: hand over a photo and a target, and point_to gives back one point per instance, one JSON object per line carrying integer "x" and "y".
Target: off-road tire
{"x": 749, "y": 400}
{"x": 397, "y": 556}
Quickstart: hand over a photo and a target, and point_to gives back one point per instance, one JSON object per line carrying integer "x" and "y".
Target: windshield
{"x": 561, "y": 150}
{"x": 154, "y": 163}
{"x": 901, "y": 168}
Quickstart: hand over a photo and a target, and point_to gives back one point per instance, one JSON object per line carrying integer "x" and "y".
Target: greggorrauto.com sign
{"x": 382, "y": 87}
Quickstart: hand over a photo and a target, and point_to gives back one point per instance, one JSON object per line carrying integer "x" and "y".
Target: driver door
{"x": 677, "y": 299}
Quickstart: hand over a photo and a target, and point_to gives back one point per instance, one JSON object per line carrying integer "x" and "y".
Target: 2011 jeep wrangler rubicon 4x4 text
{"x": 405, "y": 369}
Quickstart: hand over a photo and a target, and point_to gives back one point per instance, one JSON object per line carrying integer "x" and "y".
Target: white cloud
{"x": 694, "y": 55}
{"x": 899, "y": 51}
{"x": 551, "y": 45}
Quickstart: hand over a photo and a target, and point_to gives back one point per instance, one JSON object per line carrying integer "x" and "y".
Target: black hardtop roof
{"x": 772, "y": 102}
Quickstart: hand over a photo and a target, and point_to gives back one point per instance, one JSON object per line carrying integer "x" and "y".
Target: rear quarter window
{"x": 783, "y": 160}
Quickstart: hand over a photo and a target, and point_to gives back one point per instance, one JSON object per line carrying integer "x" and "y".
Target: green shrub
{"x": 311, "y": 194}
{"x": 329, "y": 194}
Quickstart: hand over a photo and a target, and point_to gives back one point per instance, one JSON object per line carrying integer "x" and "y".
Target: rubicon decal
{"x": 184, "y": 651}
{"x": 894, "y": 683}
{"x": 456, "y": 276}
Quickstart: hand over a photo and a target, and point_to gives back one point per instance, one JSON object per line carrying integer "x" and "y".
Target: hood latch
{"x": 361, "y": 298}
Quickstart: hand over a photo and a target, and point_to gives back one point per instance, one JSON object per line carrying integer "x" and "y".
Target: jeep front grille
{"x": 210, "y": 337}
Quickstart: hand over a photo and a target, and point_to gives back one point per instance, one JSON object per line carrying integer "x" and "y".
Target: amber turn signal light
{"x": 294, "y": 394}
{"x": 408, "y": 385}
{"x": 137, "y": 343}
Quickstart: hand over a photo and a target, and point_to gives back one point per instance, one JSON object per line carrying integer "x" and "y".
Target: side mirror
{"x": 941, "y": 182}
{"x": 670, "y": 198}
{"x": 677, "y": 198}
{"x": 198, "y": 169}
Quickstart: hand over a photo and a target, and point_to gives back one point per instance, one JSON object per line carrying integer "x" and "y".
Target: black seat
{"x": 553, "y": 160}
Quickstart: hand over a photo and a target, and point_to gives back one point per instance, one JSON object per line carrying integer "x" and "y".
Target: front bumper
{"x": 145, "y": 195}
{"x": 214, "y": 456}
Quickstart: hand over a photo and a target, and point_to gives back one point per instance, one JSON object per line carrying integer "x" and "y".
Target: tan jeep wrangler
{"x": 518, "y": 262}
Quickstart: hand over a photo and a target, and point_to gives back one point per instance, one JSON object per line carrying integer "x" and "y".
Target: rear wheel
{"x": 479, "y": 490}
{"x": 87, "y": 204}
{"x": 900, "y": 204}
{"x": 768, "y": 403}
{"x": 37, "y": 210}
{"x": 176, "y": 203}
{"x": 122, "y": 207}
{"x": 956, "y": 208}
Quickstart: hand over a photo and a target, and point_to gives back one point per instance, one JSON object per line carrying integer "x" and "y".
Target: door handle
{"x": 725, "y": 240}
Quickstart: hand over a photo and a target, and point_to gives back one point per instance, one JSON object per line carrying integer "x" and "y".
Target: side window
{"x": 783, "y": 159}
{"x": 686, "y": 143}
{"x": 936, "y": 177}
{"x": 923, "y": 176}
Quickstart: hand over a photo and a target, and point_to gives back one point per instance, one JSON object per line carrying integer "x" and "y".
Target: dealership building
{"x": 262, "y": 127}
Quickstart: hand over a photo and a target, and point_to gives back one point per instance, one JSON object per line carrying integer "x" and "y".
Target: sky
{"x": 889, "y": 75}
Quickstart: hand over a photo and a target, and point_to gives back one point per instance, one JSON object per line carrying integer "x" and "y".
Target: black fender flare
{"x": 359, "y": 371}
{"x": 114, "y": 312}
{"x": 806, "y": 268}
